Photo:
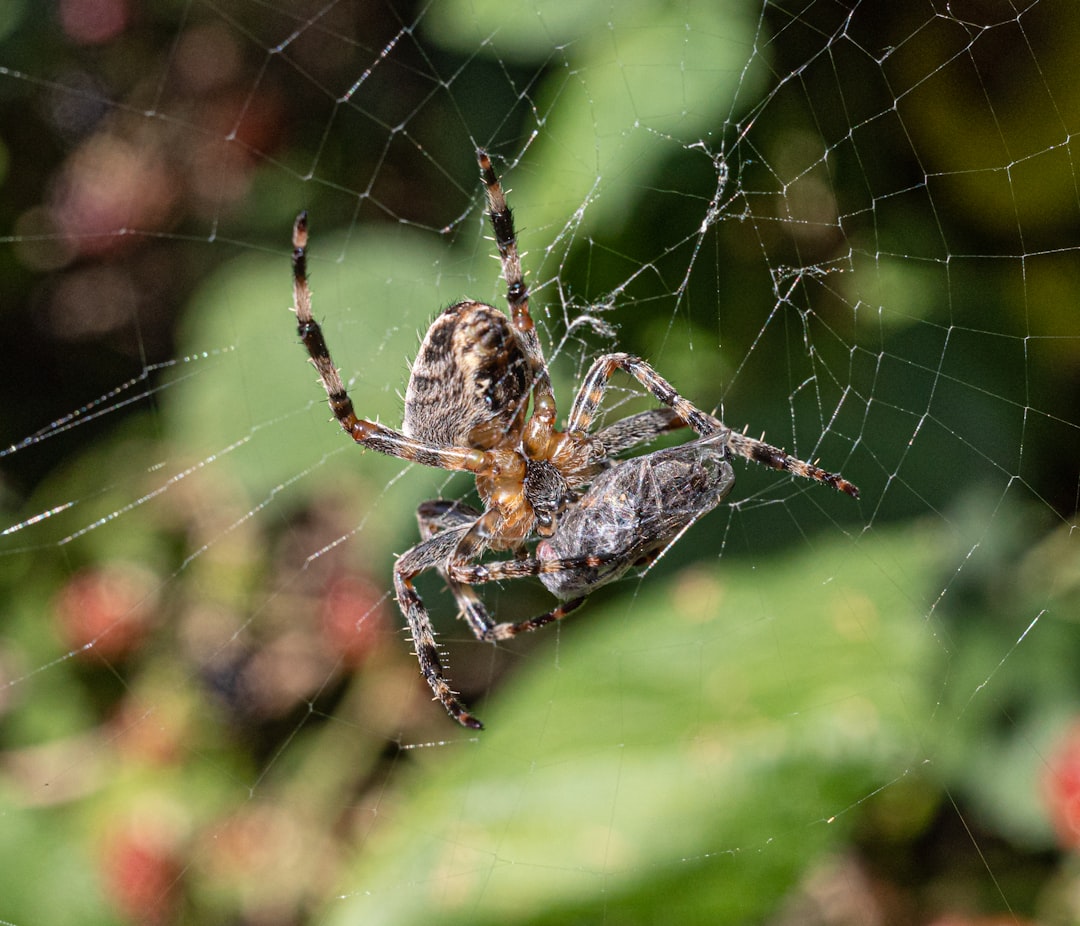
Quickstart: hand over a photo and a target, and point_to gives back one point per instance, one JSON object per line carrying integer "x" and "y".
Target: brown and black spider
{"x": 467, "y": 408}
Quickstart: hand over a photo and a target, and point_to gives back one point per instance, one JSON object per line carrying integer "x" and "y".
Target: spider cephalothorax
{"x": 479, "y": 400}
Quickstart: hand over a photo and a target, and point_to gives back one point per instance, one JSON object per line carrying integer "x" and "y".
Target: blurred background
{"x": 850, "y": 227}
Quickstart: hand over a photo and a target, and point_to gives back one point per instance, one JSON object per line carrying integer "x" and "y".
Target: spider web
{"x": 852, "y": 228}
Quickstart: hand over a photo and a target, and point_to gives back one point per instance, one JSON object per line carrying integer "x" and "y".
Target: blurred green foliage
{"x": 862, "y": 243}
{"x": 702, "y": 782}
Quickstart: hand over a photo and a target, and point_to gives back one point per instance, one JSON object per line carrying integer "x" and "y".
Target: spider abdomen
{"x": 633, "y": 511}
{"x": 470, "y": 380}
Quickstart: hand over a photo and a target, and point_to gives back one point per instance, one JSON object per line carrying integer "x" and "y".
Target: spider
{"x": 479, "y": 400}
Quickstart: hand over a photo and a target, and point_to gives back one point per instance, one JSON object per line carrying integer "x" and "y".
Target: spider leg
{"x": 462, "y": 564}
{"x": 449, "y": 523}
{"x": 438, "y": 515}
{"x": 507, "y": 629}
{"x": 461, "y": 569}
{"x": 462, "y": 572}
{"x": 517, "y": 293}
{"x": 591, "y": 395}
{"x": 367, "y": 433}
{"x": 428, "y": 554}
{"x": 542, "y": 423}
{"x": 638, "y": 429}
{"x": 768, "y": 455}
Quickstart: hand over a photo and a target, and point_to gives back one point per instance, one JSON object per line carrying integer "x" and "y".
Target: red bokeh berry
{"x": 142, "y": 869}
{"x": 353, "y": 618}
{"x": 1061, "y": 788}
{"x": 105, "y": 610}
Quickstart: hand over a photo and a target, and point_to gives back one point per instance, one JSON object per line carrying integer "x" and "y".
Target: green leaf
{"x": 632, "y": 75}
{"x": 683, "y": 755}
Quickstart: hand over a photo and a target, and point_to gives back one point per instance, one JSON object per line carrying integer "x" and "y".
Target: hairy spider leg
{"x": 462, "y": 567}
{"x": 517, "y": 292}
{"x": 429, "y": 554}
{"x": 367, "y": 433}
{"x": 542, "y": 422}
{"x": 438, "y": 515}
{"x": 591, "y": 394}
{"x": 507, "y": 629}
{"x": 450, "y": 522}
{"x": 638, "y": 429}
{"x": 463, "y": 570}
{"x": 768, "y": 455}
{"x": 596, "y": 382}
